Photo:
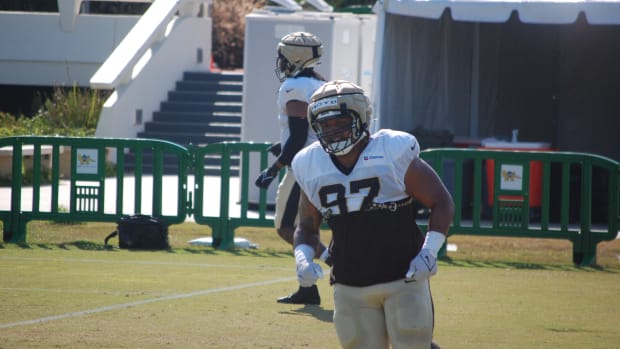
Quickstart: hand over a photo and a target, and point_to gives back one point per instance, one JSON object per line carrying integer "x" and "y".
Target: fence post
{"x": 16, "y": 231}
{"x": 584, "y": 249}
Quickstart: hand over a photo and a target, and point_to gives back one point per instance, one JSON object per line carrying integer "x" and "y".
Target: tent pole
{"x": 377, "y": 74}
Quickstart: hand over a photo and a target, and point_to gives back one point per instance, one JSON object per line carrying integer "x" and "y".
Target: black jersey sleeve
{"x": 298, "y": 128}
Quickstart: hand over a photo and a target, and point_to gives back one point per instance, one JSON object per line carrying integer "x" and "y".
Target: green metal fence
{"x": 223, "y": 223}
{"x": 99, "y": 191}
{"x": 534, "y": 194}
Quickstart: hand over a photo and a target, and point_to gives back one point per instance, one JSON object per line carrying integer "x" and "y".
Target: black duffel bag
{"x": 141, "y": 232}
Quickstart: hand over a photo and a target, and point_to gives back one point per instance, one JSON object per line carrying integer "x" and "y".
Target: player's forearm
{"x": 304, "y": 237}
{"x": 441, "y": 216}
{"x": 298, "y": 129}
{"x": 307, "y": 231}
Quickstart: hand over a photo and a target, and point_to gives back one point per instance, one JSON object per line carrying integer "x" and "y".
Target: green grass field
{"x": 63, "y": 289}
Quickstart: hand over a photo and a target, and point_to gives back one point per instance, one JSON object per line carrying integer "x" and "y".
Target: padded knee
{"x": 359, "y": 327}
{"x": 409, "y": 317}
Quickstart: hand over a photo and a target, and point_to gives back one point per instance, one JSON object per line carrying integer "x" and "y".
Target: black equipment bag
{"x": 141, "y": 232}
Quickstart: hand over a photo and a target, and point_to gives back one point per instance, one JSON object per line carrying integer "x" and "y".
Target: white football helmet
{"x": 297, "y": 51}
{"x": 340, "y": 99}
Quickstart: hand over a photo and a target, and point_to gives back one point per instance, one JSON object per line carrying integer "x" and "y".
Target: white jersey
{"x": 372, "y": 218}
{"x": 295, "y": 89}
{"x": 386, "y": 159}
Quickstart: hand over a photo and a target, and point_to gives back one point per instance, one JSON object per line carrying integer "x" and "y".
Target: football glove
{"x": 267, "y": 176}
{"x": 308, "y": 272}
{"x": 424, "y": 265}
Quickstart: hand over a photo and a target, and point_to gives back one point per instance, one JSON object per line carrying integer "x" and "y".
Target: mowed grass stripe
{"x": 119, "y": 277}
{"x": 137, "y": 262}
{"x": 145, "y": 301}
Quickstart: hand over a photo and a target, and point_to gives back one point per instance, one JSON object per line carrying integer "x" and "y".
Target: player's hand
{"x": 266, "y": 177}
{"x": 422, "y": 267}
{"x": 308, "y": 273}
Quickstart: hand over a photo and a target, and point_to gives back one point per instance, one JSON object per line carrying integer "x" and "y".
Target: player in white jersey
{"x": 298, "y": 53}
{"x": 363, "y": 187}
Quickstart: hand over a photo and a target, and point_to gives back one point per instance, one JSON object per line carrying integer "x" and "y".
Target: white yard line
{"x": 145, "y": 301}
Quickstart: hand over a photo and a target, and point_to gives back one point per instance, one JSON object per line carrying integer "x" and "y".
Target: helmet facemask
{"x": 339, "y": 114}
{"x": 339, "y": 133}
{"x": 283, "y": 68}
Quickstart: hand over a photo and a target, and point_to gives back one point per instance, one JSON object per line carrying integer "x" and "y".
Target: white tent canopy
{"x": 482, "y": 68}
{"x": 549, "y": 12}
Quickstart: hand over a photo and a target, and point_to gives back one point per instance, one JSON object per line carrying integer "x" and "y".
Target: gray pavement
{"x": 169, "y": 199}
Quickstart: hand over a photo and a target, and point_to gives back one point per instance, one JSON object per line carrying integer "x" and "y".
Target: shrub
{"x": 73, "y": 109}
{"x": 69, "y": 112}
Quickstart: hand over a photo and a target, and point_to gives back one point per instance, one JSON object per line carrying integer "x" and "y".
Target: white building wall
{"x": 36, "y": 51}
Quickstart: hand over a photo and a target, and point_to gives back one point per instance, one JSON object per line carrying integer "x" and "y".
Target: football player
{"x": 363, "y": 186}
{"x": 298, "y": 54}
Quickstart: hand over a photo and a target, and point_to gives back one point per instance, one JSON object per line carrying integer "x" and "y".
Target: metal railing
{"x": 534, "y": 194}
{"x": 223, "y": 223}
{"x": 148, "y": 31}
{"x": 531, "y": 194}
{"x": 85, "y": 170}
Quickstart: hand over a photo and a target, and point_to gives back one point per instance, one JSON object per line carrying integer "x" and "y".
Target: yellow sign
{"x": 511, "y": 178}
{"x": 86, "y": 161}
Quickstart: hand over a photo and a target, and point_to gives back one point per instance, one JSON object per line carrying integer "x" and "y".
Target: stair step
{"x": 192, "y": 117}
{"x": 169, "y": 169}
{"x": 209, "y": 160}
{"x": 209, "y": 86}
{"x": 193, "y": 138}
{"x": 199, "y": 96}
{"x": 208, "y": 127}
{"x": 212, "y": 164}
{"x": 206, "y": 76}
{"x": 203, "y": 107}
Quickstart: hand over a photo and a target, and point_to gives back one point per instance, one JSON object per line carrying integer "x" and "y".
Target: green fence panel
{"x": 82, "y": 163}
{"x": 532, "y": 194}
{"x": 518, "y": 202}
{"x": 223, "y": 223}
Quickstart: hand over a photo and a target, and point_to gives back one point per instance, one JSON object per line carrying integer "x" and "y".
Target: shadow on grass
{"x": 522, "y": 265}
{"x": 86, "y": 245}
{"x": 316, "y": 311}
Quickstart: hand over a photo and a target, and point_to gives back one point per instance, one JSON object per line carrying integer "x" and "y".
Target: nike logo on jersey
{"x": 413, "y": 146}
{"x": 289, "y": 90}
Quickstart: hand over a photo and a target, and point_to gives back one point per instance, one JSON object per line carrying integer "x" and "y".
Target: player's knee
{"x": 417, "y": 316}
{"x": 410, "y": 318}
{"x": 411, "y": 329}
{"x": 347, "y": 329}
{"x": 408, "y": 322}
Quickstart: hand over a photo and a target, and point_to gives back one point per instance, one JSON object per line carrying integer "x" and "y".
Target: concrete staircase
{"x": 204, "y": 108}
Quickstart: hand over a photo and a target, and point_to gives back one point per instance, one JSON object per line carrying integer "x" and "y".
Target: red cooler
{"x": 535, "y": 190}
